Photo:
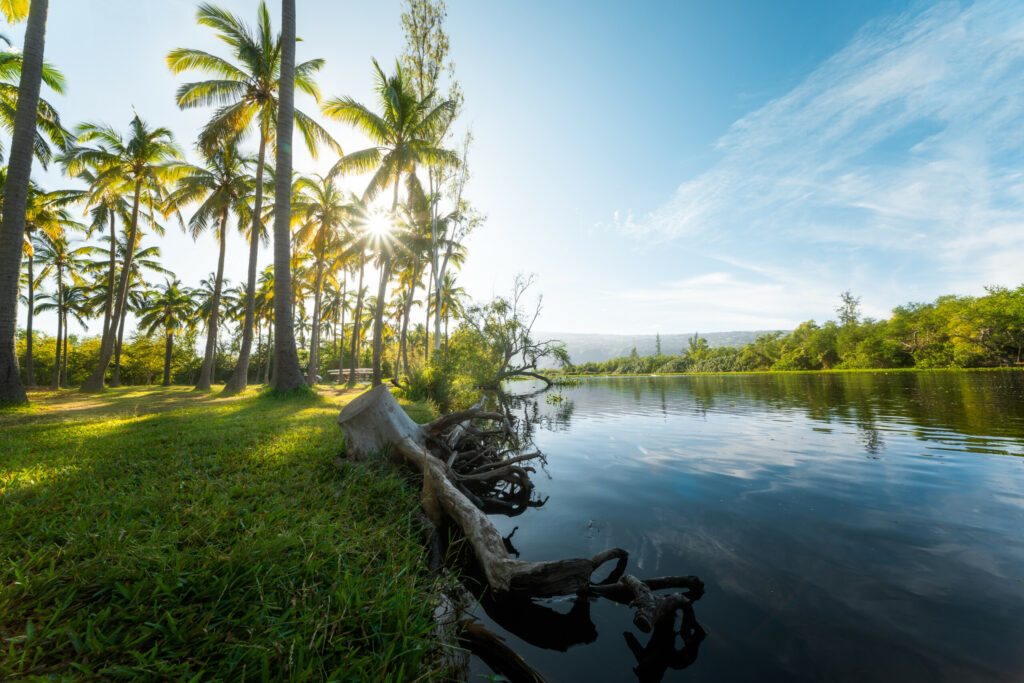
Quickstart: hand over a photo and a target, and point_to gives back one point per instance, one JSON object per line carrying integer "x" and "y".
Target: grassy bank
{"x": 160, "y": 533}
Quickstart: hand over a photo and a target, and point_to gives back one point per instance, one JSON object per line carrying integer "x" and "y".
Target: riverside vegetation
{"x": 951, "y": 332}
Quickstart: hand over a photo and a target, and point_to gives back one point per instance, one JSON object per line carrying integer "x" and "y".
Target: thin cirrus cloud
{"x": 896, "y": 166}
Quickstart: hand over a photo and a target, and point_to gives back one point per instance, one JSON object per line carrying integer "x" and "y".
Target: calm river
{"x": 861, "y": 527}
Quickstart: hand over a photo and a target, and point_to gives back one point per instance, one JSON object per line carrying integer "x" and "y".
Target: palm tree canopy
{"x": 404, "y": 133}
{"x": 147, "y": 157}
{"x": 169, "y": 308}
{"x": 224, "y": 184}
{"x": 49, "y": 129}
{"x": 244, "y": 91}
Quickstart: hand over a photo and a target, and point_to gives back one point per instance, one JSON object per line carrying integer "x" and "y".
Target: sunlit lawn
{"x": 161, "y": 533}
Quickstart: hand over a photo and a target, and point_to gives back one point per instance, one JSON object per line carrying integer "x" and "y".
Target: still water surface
{"x": 861, "y": 527}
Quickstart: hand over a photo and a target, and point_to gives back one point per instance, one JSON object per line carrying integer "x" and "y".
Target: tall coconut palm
{"x": 12, "y": 227}
{"x": 221, "y": 187}
{"x": 170, "y": 309}
{"x": 322, "y": 210}
{"x": 404, "y": 135}
{"x": 287, "y": 373}
{"x": 360, "y": 242}
{"x": 452, "y": 299}
{"x": 67, "y": 301}
{"x": 146, "y": 163}
{"x": 145, "y": 263}
{"x": 65, "y": 262}
{"x": 246, "y": 93}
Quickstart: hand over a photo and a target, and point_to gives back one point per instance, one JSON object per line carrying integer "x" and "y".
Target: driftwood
{"x": 467, "y": 473}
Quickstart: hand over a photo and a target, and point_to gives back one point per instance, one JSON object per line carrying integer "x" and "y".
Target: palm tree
{"x": 67, "y": 301}
{"x": 146, "y": 261}
{"x": 247, "y": 94}
{"x": 221, "y": 187}
{"x": 404, "y": 135}
{"x": 171, "y": 309}
{"x": 265, "y": 312}
{"x": 49, "y": 130}
{"x": 322, "y": 210}
{"x": 145, "y": 161}
{"x": 60, "y": 259}
{"x": 287, "y": 373}
{"x": 12, "y": 228}
{"x": 452, "y": 298}
{"x": 45, "y": 213}
{"x": 210, "y": 303}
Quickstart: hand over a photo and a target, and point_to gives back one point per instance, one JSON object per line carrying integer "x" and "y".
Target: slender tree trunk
{"x": 270, "y": 352}
{"x": 341, "y": 351}
{"x": 55, "y": 382}
{"x": 108, "y": 304}
{"x": 64, "y": 360}
{"x": 426, "y": 323}
{"x": 240, "y": 377}
{"x": 12, "y": 232}
{"x": 314, "y": 341}
{"x": 382, "y": 288}
{"x": 30, "y": 370}
{"x": 168, "y": 350}
{"x": 287, "y": 375}
{"x": 96, "y": 379}
{"x": 354, "y": 356}
{"x": 403, "y": 335}
{"x": 115, "y": 375}
{"x": 435, "y": 268}
{"x": 209, "y": 357}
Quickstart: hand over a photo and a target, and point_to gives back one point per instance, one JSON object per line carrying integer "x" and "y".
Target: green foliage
{"x": 951, "y": 332}
{"x": 164, "y": 534}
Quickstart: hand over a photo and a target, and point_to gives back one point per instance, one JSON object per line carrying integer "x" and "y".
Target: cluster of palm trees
{"x": 325, "y": 237}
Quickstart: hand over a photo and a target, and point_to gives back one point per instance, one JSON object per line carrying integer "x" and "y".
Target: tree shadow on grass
{"x": 215, "y": 542}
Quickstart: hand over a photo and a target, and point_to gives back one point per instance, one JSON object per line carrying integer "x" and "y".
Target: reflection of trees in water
{"x": 983, "y": 403}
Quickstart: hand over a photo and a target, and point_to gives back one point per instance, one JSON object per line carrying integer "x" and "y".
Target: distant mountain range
{"x": 584, "y": 348}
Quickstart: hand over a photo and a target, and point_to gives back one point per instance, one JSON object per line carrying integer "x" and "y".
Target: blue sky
{"x": 666, "y": 167}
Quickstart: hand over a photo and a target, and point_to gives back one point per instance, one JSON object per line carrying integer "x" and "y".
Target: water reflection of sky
{"x": 857, "y": 527}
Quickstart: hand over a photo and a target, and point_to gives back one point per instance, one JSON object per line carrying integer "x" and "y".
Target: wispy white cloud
{"x": 905, "y": 148}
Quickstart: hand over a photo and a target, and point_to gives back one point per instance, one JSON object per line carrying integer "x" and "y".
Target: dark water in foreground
{"x": 863, "y": 527}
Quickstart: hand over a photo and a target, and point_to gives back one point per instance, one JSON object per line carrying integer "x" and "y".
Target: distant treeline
{"x": 951, "y": 332}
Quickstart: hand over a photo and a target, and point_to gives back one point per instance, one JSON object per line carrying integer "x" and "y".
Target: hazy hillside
{"x": 600, "y": 347}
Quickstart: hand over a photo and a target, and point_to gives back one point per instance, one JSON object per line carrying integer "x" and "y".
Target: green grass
{"x": 165, "y": 534}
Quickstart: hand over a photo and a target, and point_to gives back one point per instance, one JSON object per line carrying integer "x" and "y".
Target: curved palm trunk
{"x": 12, "y": 232}
{"x": 287, "y": 374}
{"x": 95, "y": 380}
{"x": 357, "y": 316}
{"x": 30, "y": 371}
{"x": 168, "y": 351}
{"x": 314, "y": 336}
{"x": 210, "y": 354}
{"x": 240, "y": 377}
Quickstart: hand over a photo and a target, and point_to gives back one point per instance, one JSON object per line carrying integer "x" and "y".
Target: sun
{"x": 379, "y": 225}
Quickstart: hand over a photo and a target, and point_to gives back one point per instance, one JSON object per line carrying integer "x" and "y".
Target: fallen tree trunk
{"x": 456, "y": 459}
